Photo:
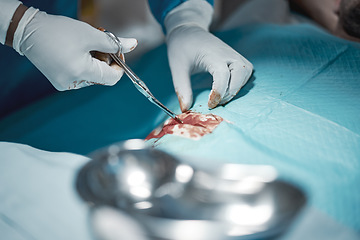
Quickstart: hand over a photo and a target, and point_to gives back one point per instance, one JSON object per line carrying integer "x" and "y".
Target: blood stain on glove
{"x": 183, "y": 107}
{"x": 214, "y": 99}
{"x": 194, "y": 126}
{"x": 82, "y": 83}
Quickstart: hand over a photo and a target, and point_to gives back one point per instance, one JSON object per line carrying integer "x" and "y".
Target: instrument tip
{"x": 178, "y": 119}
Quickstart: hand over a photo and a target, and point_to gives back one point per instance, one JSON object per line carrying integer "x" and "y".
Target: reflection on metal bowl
{"x": 174, "y": 200}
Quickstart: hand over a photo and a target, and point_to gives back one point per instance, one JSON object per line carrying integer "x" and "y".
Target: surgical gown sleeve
{"x": 160, "y": 8}
{"x": 7, "y": 9}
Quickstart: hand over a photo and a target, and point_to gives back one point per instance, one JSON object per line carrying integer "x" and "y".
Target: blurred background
{"x": 134, "y": 19}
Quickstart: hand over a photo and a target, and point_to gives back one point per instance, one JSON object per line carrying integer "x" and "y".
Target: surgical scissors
{"x": 139, "y": 84}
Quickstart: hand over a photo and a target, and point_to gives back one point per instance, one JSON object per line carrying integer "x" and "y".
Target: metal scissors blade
{"x": 139, "y": 84}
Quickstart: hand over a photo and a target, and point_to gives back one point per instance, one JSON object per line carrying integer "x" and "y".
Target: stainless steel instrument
{"x": 139, "y": 84}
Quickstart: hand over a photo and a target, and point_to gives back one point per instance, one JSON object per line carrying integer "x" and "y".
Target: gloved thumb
{"x": 101, "y": 73}
{"x": 182, "y": 85}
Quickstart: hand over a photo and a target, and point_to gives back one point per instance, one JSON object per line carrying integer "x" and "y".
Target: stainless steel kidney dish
{"x": 172, "y": 199}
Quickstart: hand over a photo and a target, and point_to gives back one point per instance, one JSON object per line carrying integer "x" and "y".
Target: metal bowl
{"x": 172, "y": 199}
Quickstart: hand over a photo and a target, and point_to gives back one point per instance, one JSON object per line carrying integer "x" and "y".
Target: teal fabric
{"x": 83, "y": 120}
{"x": 300, "y": 112}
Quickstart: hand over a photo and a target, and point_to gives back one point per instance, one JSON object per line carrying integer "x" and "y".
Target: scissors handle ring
{"x": 116, "y": 40}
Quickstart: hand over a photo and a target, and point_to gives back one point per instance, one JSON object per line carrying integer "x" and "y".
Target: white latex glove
{"x": 192, "y": 49}
{"x": 60, "y": 48}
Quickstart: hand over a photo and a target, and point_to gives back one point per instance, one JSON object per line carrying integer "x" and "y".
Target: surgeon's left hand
{"x": 192, "y": 48}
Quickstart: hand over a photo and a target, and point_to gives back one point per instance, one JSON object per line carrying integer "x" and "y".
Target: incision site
{"x": 194, "y": 126}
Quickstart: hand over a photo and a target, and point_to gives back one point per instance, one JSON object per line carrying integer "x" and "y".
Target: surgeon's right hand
{"x": 60, "y": 48}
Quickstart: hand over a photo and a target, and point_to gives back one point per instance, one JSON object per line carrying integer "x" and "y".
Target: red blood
{"x": 195, "y": 125}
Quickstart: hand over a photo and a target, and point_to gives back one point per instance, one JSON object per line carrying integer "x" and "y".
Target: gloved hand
{"x": 192, "y": 49}
{"x": 60, "y": 48}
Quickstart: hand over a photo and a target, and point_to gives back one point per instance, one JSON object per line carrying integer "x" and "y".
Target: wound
{"x": 194, "y": 126}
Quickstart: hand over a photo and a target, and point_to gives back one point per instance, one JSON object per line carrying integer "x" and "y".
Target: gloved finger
{"x": 115, "y": 66}
{"x": 128, "y": 44}
{"x": 103, "y": 43}
{"x": 105, "y": 57}
{"x": 101, "y": 73}
{"x": 182, "y": 85}
{"x": 240, "y": 73}
{"x": 221, "y": 77}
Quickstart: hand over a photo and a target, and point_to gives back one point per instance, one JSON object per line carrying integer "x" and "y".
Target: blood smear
{"x": 194, "y": 126}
